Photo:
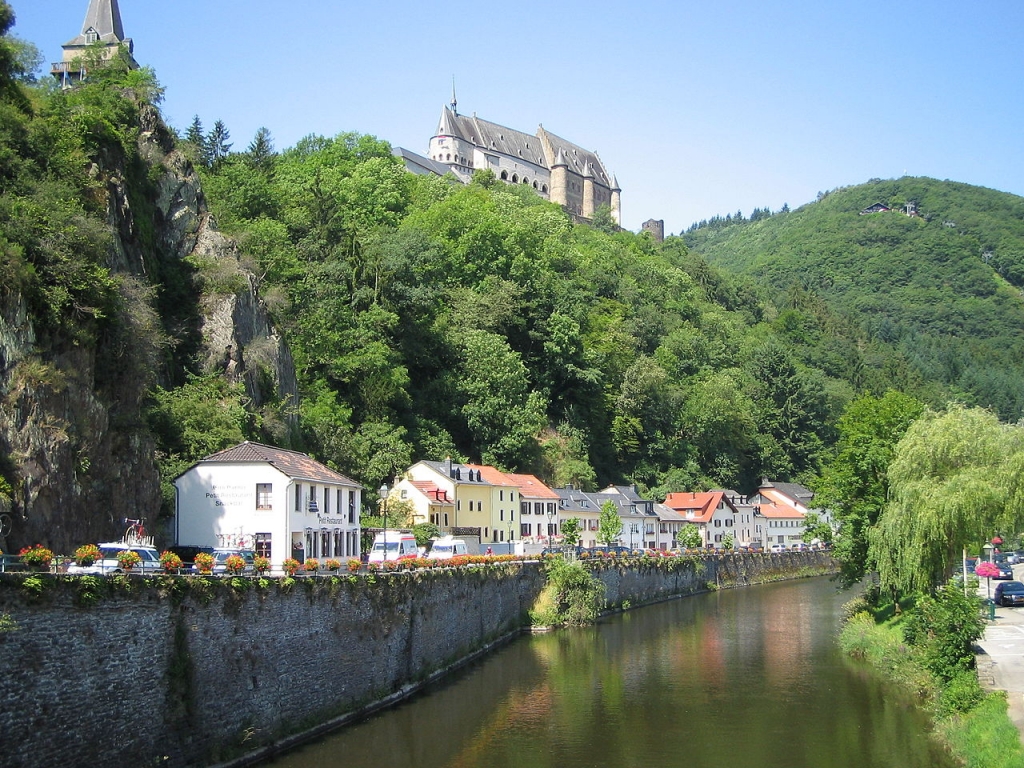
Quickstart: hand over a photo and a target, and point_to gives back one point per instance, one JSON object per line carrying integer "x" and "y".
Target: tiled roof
{"x": 695, "y": 507}
{"x": 493, "y": 476}
{"x": 777, "y": 510}
{"x": 532, "y": 488}
{"x": 431, "y": 491}
{"x": 292, "y": 463}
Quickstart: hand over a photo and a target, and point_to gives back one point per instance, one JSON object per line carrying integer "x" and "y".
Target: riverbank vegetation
{"x": 571, "y": 596}
{"x": 925, "y": 647}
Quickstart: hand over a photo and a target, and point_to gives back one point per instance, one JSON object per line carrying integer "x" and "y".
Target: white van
{"x": 399, "y": 545}
{"x": 446, "y": 548}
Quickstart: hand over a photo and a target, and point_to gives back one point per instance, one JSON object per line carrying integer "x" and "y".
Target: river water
{"x": 741, "y": 678}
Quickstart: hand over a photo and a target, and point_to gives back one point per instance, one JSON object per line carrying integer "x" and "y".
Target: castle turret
{"x": 588, "y": 192}
{"x": 560, "y": 179}
{"x": 102, "y": 25}
{"x": 616, "y": 201}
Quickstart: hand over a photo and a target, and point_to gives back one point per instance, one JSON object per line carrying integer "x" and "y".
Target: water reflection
{"x": 744, "y": 677}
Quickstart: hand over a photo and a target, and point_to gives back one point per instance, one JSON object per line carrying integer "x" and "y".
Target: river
{"x": 741, "y": 678}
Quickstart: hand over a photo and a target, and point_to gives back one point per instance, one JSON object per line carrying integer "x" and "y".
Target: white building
{"x": 280, "y": 503}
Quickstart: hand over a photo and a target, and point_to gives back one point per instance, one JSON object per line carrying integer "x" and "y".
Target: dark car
{"x": 188, "y": 553}
{"x": 1010, "y": 593}
{"x": 1005, "y": 571}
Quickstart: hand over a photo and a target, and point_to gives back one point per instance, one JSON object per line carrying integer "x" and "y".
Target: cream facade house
{"x": 277, "y": 502}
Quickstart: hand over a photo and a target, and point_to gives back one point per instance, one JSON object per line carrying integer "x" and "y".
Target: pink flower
{"x": 987, "y": 570}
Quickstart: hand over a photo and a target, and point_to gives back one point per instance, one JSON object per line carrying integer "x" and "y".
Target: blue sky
{"x": 699, "y": 108}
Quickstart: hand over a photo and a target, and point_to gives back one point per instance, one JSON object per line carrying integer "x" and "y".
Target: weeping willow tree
{"x": 956, "y": 479}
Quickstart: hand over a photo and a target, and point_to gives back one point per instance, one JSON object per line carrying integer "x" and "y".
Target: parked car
{"x": 108, "y": 563}
{"x": 188, "y": 553}
{"x": 1009, "y": 593}
{"x": 1005, "y": 571}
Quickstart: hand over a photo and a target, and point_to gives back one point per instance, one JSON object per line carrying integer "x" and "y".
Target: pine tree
{"x": 217, "y": 144}
{"x": 261, "y": 151}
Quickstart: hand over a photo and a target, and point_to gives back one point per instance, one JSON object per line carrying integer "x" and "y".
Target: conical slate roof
{"x": 103, "y": 18}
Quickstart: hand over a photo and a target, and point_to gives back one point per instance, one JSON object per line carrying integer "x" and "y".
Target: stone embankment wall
{"x": 184, "y": 672}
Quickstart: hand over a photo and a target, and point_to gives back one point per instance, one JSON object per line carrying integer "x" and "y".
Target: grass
{"x": 984, "y": 737}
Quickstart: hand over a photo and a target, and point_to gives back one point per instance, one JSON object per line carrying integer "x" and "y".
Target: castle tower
{"x": 102, "y": 25}
{"x": 588, "y": 192}
{"x": 616, "y": 203}
{"x": 560, "y": 179}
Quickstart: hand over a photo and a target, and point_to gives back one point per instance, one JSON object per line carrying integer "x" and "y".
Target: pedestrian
{"x": 489, "y": 551}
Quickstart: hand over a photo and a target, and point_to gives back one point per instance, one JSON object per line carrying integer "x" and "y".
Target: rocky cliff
{"x": 80, "y": 455}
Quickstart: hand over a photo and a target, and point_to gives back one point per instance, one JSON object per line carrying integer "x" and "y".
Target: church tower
{"x": 102, "y": 25}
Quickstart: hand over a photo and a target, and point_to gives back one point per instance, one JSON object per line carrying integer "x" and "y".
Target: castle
{"x": 102, "y": 25}
{"x": 557, "y": 169}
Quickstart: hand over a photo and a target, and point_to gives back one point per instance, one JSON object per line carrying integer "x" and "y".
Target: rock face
{"x": 81, "y": 458}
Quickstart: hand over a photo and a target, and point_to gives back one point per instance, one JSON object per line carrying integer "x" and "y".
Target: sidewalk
{"x": 1001, "y": 656}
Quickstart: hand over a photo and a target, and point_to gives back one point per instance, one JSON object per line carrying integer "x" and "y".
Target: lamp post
{"x": 383, "y": 491}
{"x": 552, "y": 516}
{"x": 988, "y": 548}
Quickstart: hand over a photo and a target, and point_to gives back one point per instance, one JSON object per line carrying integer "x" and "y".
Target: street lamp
{"x": 383, "y": 491}
{"x": 988, "y": 548}
{"x": 552, "y": 516}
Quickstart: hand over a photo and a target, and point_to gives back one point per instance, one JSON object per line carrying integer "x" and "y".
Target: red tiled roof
{"x": 431, "y": 491}
{"x": 777, "y": 511}
{"x": 531, "y": 488}
{"x": 702, "y": 505}
{"x": 786, "y": 506}
{"x": 492, "y": 475}
{"x": 292, "y": 463}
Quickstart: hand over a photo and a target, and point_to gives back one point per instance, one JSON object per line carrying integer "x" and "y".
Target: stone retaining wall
{"x": 132, "y": 672}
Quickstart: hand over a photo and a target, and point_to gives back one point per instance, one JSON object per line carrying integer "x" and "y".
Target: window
{"x": 298, "y": 497}
{"x": 445, "y": 519}
{"x": 501, "y": 514}
{"x": 351, "y": 506}
{"x": 338, "y": 503}
{"x": 262, "y": 547}
{"x": 264, "y": 496}
{"x": 501, "y": 495}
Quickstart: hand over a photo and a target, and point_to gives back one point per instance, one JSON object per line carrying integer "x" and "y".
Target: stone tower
{"x": 656, "y": 227}
{"x": 102, "y": 25}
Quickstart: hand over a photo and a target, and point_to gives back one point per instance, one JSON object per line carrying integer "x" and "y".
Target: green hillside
{"x": 942, "y": 287}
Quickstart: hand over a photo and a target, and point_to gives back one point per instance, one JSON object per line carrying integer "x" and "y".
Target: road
{"x": 1001, "y": 655}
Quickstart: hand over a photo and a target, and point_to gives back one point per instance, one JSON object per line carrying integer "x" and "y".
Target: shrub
{"x": 961, "y": 694}
{"x": 87, "y": 554}
{"x": 944, "y": 627}
{"x": 571, "y": 596}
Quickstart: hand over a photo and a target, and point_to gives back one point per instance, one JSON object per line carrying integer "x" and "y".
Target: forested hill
{"x": 943, "y": 287}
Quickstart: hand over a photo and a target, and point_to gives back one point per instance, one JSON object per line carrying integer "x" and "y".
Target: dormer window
{"x": 91, "y": 35}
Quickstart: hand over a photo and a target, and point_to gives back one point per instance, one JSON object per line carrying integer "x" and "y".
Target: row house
{"x": 573, "y": 502}
{"x": 497, "y": 506}
{"x": 277, "y": 502}
{"x": 538, "y": 509}
{"x": 640, "y": 525}
{"x": 781, "y": 511}
{"x": 711, "y": 511}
